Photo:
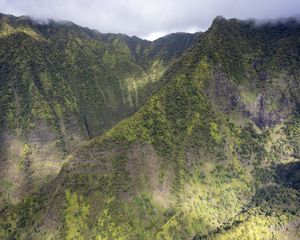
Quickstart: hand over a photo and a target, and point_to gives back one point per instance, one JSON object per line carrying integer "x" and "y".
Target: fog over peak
{"x": 149, "y": 19}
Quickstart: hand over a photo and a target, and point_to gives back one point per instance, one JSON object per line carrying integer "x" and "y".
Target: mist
{"x": 150, "y": 19}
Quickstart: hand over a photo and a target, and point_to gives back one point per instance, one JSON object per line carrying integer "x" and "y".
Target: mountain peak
{"x": 218, "y": 20}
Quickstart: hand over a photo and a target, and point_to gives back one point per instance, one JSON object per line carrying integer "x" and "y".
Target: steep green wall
{"x": 61, "y": 85}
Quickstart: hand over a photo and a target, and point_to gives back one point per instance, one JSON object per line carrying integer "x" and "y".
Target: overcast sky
{"x": 149, "y": 18}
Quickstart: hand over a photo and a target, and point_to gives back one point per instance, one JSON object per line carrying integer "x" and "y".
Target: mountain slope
{"x": 214, "y": 154}
{"x": 62, "y": 84}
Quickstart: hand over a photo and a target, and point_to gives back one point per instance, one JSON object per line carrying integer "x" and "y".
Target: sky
{"x": 149, "y": 19}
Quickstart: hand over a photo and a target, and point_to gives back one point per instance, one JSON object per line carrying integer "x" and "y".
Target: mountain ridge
{"x": 203, "y": 158}
{"x": 63, "y": 84}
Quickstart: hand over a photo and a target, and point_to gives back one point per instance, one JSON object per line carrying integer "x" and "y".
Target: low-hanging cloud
{"x": 149, "y": 19}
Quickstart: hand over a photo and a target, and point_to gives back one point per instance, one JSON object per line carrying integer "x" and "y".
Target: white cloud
{"x": 149, "y": 18}
{"x": 154, "y": 35}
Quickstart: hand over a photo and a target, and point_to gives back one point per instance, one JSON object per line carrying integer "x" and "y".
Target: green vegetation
{"x": 24, "y": 155}
{"x": 61, "y": 84}
{"x": 76, "y": 215}
{"x": 201, "y": 158}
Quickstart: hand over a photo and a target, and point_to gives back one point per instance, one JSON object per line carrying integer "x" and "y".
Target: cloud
{"x": 149, "y": 19}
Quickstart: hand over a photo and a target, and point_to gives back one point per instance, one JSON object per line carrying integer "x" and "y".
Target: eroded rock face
{"x": 30, "y": 159}
{"x": 27, "y": 164}
{"x": 265, "y": 104}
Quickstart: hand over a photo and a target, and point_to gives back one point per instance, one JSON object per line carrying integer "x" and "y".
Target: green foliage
{"x": 215, "y": 181}
{"x": 63, "y": 84}
{"x": 251, "y": 144}
{"x": 138, "y": 219}
{"x": 26, "y": 151}
{"x": 215, "y": 132}
{"x": 76, "y": 215}
{"x": 16, "y": 220}
{"x": 257, "y": 227}
{"x": 292, "y": 131}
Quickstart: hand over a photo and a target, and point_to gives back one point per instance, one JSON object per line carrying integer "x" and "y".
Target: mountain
{"x": 62, "y": 84}
{"x": 213, "y": 153}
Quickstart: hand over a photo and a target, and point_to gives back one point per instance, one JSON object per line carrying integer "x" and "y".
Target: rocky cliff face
{"x": 256, "y": 68}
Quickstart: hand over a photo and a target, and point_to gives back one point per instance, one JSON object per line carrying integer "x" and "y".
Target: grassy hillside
{"x": 214, "y": 154}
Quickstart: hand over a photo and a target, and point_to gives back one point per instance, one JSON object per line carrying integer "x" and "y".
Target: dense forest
{"x": 191, "y": 136}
